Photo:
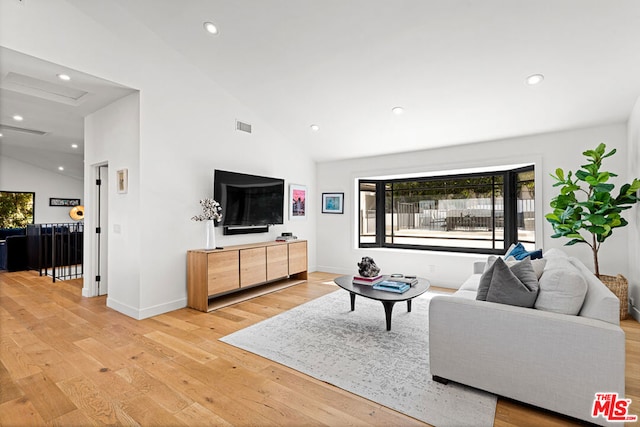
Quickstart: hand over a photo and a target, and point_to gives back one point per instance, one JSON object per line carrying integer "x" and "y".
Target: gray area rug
{"x": 355, "y": 352}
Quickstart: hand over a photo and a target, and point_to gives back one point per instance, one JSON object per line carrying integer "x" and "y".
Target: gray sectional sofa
{"x": 547, "y": 359}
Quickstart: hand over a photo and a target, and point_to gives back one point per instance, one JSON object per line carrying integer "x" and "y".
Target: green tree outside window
{"x": 16, "y": 209}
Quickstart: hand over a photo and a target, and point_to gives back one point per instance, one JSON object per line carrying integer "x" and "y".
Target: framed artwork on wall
{"x": 297, "y": 202}
{"x": 56, "y": 201}
{"x": 122, "y": 181}
{"x": 333, "y": 203}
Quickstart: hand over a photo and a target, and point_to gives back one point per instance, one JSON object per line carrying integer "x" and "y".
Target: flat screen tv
{"x": 249, "y": 201}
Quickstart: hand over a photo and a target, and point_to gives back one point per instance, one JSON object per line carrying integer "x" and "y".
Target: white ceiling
{"x": 31, "y": 88}
{"x": 458, "y": 67}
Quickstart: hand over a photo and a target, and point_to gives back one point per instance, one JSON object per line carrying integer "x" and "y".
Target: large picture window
{"x": 481, "y": 212}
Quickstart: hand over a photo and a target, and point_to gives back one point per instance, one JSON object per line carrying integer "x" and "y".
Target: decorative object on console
{"x": 55, "y": 201}
{"x": 333, "y": 203}
{"x": 285, "y": 237}
{"x": 211, "y": 211}
{"x": 597, "y": 212}
{"x": 297, "y": 202}
{"x": 77, "y": 213}
{"x": 367, "y": 267}
{"x": 210, "y": 232}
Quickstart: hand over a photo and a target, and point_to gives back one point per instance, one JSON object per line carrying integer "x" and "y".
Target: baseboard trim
{"x": 635, "y": 313}
{"x": 123, "y": 308}
{"x": 147, "y": 312}
{"x": 327, "y": 269}
{"x": 162, "y": 308}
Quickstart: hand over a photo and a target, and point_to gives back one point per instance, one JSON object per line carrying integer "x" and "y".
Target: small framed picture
{"x": 297, "y": 202}
{"x": 122, "y": 181}
{"x": 55, "y": 201}
{"x": 333, "y": 203}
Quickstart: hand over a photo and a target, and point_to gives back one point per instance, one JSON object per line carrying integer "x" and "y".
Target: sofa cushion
{"x": 538, "y": 264}
{"x": 471, "y": 284}
{"x": 466, "y": 294}
{"x": 599, "y": 303}
{"x": 562, "y": 288}
{"x": 515, "y": 285}
{"x": 555, "y": 253}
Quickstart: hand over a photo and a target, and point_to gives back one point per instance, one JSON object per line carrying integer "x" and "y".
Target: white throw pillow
{"x": 562, "y": 289}
{"x": 509, "y": 249}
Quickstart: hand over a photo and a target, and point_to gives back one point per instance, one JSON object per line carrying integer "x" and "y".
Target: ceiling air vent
{"x": 244, "y": 127}
{"x": 23, "y": 130}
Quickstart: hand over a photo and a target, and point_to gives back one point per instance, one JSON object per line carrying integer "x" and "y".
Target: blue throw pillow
{"x": 535, "y": 254}
{"x": 520, "y": 253}
{"x": 516, "y": 251}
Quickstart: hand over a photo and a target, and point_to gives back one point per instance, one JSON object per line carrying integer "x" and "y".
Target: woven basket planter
{"x": 620, "y": 287}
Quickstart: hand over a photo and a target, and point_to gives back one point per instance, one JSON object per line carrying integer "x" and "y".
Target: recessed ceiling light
{"x": 315, "y": 128}
{"x": 397, "y": 110}
{"x": 0, "y": 135}
{"x": 535, "y": 79}
{"x": 211, "y": 28}
{"x": 64, "y": 77}
{"x": 74, "y": 145}
{"x": 60, "y": 168}
{"x": 18, "y": 118}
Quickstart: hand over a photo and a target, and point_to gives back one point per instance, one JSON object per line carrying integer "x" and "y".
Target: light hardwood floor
{"x": 68, "y": 360}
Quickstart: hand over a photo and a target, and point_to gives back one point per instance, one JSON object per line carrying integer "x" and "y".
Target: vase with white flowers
{"x": 211, "y": 211}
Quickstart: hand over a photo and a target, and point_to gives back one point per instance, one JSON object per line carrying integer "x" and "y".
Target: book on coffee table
{"x": 359, "y": 280}
{"x": 408, "y": 280}
{"x": 391, "y": 286}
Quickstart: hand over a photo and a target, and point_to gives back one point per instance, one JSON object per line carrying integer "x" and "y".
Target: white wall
{"x": 19, "y": 176}
{"x": 337, "y": 244}
{"x": 634, "y": 215}
{"x": 112, "y": 136}
{"x": 187, "y": 129}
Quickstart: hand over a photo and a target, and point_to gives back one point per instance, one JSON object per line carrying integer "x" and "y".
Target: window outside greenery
{"x": 464, "y": 213}
{"x": 16, "y": 209}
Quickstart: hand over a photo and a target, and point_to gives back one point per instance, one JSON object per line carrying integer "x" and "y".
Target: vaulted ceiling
{"x": 457, "y": 67}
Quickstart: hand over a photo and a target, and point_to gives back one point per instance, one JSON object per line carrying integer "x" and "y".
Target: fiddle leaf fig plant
{"x": 586, "y": 203}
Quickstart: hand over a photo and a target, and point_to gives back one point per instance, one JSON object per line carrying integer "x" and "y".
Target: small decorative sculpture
{"x": 367, "y": 267}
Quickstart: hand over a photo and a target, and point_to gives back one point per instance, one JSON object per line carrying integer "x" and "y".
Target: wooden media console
{"x": 220, "y": 277}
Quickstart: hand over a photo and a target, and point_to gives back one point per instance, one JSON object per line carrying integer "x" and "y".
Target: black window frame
{"x": 510, "y": 197}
